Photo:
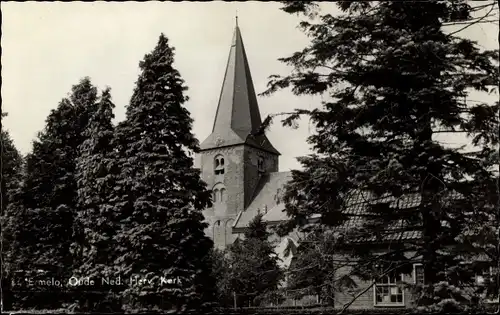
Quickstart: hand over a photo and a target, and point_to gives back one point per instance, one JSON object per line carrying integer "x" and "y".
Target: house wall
{"x": 365, "y": 300}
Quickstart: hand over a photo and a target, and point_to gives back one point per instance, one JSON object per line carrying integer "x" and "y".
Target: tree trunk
{"x": 431, "y": 185}
{"x": 6, "y": 293}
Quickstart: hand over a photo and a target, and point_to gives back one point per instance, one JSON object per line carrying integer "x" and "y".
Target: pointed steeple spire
{"x": 238, "y": 116}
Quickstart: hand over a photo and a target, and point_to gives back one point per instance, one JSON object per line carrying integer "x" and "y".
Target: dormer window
{"x": 219, "y": 165}
{"x": 260, "y": 164}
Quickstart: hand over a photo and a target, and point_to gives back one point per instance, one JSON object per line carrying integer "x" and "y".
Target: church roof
{"x": 276, "y": 214}
{"x": 266, "y": 196}
{"x": 238, "y": 116}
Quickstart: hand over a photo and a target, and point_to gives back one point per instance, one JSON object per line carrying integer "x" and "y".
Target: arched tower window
{"x": 219, "y": 193}
{"x": 219, "y": 165}
{"x": 260, "y": 164}
{"x": 215, "y": 195}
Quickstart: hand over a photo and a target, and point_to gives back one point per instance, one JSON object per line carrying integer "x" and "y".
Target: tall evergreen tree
{"x": 395, "y": 80}
{"x": 255, "y": 272}
{"x": 95, "y": 224}
{"x": 46, "y": 203}
{"x": 160, "y": 193}
{"x": 12, "y": 162}
{"x": 10, "y": 177}
{"x": 221, "y": 272}
{"x": 313, "y": 271}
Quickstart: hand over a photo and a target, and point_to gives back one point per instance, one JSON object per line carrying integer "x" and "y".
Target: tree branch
{"x": 470, "y": 24}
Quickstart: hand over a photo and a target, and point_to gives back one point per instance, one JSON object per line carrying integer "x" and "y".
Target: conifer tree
{"x": 12, "y": 162}
{"x": 255, "y": 272}
{"x": 45, "y": 205}
{"x": 10, "y": 176}
{"x": 311, "y": 272}
{"x": 95, "y": 224}
{"x": 160, "y": 194}
{"x": 394, "y": 80}
{"x": 221, "y": 272}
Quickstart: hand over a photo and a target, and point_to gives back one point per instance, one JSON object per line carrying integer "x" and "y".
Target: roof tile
{"x": 357, "y": 205}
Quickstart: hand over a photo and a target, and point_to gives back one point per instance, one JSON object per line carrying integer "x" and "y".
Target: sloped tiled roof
{"x": 357, "y": 207}
{"x": 266, "y": 195}
{"x": 358, "y": 204}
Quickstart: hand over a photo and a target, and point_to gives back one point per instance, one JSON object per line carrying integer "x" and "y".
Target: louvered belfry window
{"x": 219, "y": 165}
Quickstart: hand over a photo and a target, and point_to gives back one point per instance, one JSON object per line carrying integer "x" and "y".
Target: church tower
{"x": 233, "y": 160}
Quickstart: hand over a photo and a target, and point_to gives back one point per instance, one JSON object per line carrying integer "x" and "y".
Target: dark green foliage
{"x": 12, "y": 162}
{"x": 255, "y": 273}
{"x": 318, "y": 310}
{"x": 293, "y": 310}
{"x": 457, "y": 11}
{"x": 159, "y": 195}
{"x": 394, "y": 80}
{"x": 95, "y": 223}
{"x": 314, "y": 271}
{"x": 45, "y": 206}
{"x": 10, "y": 177}
{"x": 221, "y": 271}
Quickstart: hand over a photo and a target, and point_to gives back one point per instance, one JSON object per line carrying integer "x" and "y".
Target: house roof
{"x": 358, "y": 202}
{"x": 266, "y": 196}
{"x": 238, "y": 117}
{"x": 357, "y": 209}
{"x": 357, "y": 206}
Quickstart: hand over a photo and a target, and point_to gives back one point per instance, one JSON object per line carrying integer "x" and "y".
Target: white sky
{"x": 47, "y": 47}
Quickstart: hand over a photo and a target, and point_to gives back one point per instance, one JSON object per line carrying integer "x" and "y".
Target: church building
{"x": 241, "y": 169}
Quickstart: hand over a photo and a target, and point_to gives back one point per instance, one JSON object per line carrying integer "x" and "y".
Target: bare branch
{"x": 449, "y": 131}
{"x": 472, "y": 23}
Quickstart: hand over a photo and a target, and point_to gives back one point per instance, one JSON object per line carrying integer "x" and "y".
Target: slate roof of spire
{"x": 237, "y": 117}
